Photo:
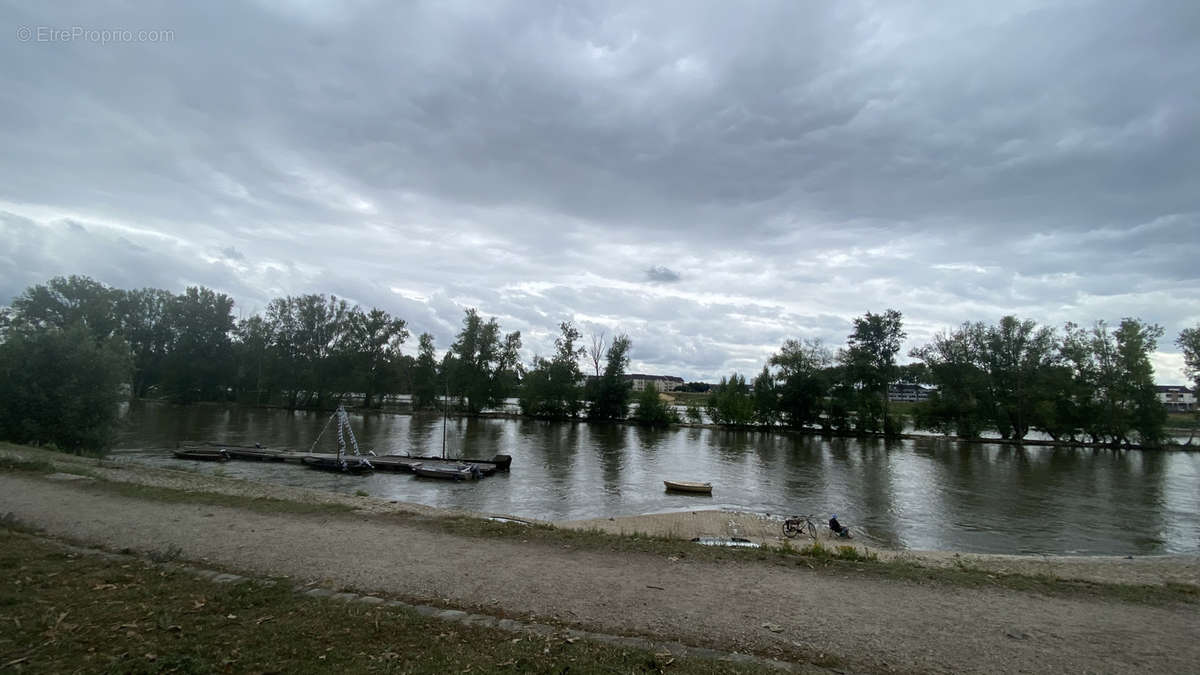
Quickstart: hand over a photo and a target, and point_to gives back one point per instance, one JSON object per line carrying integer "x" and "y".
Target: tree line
{"x": 71, "y": 349}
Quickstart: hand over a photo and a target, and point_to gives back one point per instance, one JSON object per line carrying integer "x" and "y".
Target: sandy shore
{"x": 767, "y": 531}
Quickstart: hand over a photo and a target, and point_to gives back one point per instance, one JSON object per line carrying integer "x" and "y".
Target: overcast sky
{"x": 710, "y": 178}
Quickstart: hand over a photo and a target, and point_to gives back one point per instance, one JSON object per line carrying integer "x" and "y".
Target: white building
{"x": 662, "y": 383}
{"x": 1176, "y": 398}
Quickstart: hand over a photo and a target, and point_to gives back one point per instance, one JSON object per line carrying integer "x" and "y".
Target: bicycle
{"x": 797, "y": 525}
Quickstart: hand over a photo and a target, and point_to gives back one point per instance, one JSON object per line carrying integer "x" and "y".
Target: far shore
{"x": 1173, "y": 446}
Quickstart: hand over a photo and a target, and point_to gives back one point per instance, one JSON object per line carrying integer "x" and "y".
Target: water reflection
{"x": 921, "y": 494}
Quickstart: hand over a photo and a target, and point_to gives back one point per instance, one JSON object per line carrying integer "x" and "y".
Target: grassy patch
{"x": 67, "y": 613}
{"x": 260, "y": 504}
{"x": 10, "y": 463}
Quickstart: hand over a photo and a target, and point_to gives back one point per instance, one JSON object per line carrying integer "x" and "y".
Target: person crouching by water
{"x": 837, "y": 527}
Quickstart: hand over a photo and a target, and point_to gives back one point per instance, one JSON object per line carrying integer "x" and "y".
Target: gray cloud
{"x": 797, "y": 163}
{"x": 662, "y": 273}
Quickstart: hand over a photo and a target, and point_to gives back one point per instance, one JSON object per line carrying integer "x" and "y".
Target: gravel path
{"x": 870, "y": 624}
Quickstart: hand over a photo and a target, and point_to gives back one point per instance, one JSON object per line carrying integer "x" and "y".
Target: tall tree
{"x": 1189, "y": 343}
{"x": 959, "y": 403}
{"x": 255, "y": 360}
{"x": 62, "y": 387}
{"x": 730, "y": 403}
{"x": 63, "y": 302}
{"x": 483, "y": 367}
{"x": 426, "y": 380}
{"x": 608, "y": 394}
{"x": 1016, "y": 355}
{"x": 374, "y": 339}
{"x": 766, "y": 398}
{"x": 800, "y": 373}
{"x": 199, "y": 361}
{"x": 311, "y": 348}
{"x": 552, "y": 387}
{"x": 870, "y": 358}
{"x": 145, "y": 319}
{"x": 596, "y": 351}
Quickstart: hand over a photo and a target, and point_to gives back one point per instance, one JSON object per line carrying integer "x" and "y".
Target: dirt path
{"x": 870, "y": 624}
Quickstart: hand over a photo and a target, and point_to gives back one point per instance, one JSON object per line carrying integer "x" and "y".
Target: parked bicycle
{"x": 798, "y": 525}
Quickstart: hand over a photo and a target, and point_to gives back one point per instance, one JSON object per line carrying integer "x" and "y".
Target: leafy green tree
{"x": 870, "y": 360}
{"x": 1189, "y": 343}
{"x": 1136, "y": 341}
{"x": 199, "y": 361}
{"x": 64, "y": 302}
{"x": 62, "y": 386}
{"x": 652, "y": 410}
{"x": 145, "y": 320}
{"x": 766, "y": 398}
{"x": 1015, "y": 356}
{"x": 802, "y": 384}
{"x": 426, "y": 379}
{"x": 374, "y": 339}
{"x": 311, "y": 349}
{"x": 959, "y": 404}
{"x": 252, "y": 341}
{"x": 551, "y": 389}
{"x": 731, "y": 403}
{"x": 482, "y": 366}
{"x": 1112, "y": 391}
{"x": 608, "y": 395}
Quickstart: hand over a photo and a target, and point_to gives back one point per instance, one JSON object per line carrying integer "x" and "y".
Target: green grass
{"x": 64, "y": 612}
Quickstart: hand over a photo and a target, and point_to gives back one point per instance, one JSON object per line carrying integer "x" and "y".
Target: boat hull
{"x": 350, "y": 466}
{"x": 688, "y": 486}
{"x": 204, "y": 455}
{"x": 445, "y": 472}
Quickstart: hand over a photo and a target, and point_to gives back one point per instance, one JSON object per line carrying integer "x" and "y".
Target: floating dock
{"x": 397, "y": 463}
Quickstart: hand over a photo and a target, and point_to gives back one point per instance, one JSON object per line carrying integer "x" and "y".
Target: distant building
{"x": 913, "y": 393}
{"x": 1176, "y": 398}
{"x": 662, "y": 383}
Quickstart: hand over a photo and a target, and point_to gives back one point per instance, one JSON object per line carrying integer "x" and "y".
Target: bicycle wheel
{"x": 791, "y": 528}
{"x": 810, "y": 528}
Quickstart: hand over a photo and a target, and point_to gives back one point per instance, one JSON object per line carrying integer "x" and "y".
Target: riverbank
{"x": 856, "y": 616}
{"x": 683, "y": 526}
{"x": 1172, "y": 446}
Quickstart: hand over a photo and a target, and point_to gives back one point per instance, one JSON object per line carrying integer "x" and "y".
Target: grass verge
{"x": 64, "y": 612}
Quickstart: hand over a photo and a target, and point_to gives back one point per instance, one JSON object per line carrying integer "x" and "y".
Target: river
{"x": 911, "y": 494}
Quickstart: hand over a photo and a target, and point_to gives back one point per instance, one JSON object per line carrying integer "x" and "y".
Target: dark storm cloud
{"x": 797, "y": 163}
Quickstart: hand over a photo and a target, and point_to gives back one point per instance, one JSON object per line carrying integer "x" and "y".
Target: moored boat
{"x": 688, "y": 486}
{"x": 446, "y": 471}
{"x": 345, "y": 464}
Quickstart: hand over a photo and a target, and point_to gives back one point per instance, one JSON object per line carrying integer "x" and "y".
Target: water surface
{"x": 914, "y": 494}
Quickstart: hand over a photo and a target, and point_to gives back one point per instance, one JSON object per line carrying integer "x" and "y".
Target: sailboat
{"x": 343, "y": 461}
